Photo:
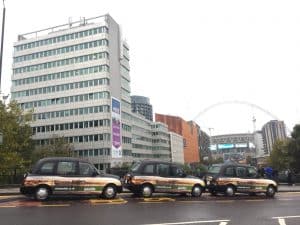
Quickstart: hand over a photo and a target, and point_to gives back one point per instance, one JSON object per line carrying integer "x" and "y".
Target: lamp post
{"x": 2, "y": 41}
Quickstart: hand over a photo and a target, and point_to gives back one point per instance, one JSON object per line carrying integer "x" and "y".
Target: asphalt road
{"x": 284, "y": 209}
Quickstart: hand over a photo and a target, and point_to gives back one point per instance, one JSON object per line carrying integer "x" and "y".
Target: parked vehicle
{"x": 147, "y": 177}
{"x": 232, "y": 178}
{"x": 65, "y": 176}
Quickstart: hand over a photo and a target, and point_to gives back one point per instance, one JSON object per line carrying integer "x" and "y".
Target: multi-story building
{"x": 176, "y": 142}
{"x": 189, "y": 132}
{"x": 204, "y": 145}
{"x": 272, "y": 131}
{"x": 259, "y": 144}
{"x": 233, "y": 146}
{"x": 161, "y": 141}
{"x": 141, "y": 105}
{"x": 76, "y": 79}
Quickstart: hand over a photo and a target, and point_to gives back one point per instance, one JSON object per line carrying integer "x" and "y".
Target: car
{"x": 147, "y": 177}
{"x": 68, "y": 176}
{"x": 231, "y": 178}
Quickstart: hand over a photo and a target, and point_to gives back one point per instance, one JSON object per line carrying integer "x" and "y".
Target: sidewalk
{"x": 281, "y": 188}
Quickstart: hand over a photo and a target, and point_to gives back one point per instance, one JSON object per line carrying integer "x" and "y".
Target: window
{"x": 149, "y": 169}
{"x": 241, "y": 171}
{"x": 47, "y": 168}
{"x": 66, "y": 168}
{"x": 176, "y": 172}
{"x": 163, "y": 170}
{"x": 85, "y": 169}
{"x": 252, "y": 172}
{"x": 229, "y": 172}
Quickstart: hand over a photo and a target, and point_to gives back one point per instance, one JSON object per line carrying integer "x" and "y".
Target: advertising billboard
{"x": 116, "y": 149}
{"x": 225, "y": 146}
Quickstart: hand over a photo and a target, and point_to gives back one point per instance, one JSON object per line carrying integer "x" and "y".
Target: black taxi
{"x": 231, "y": 178}
{"x": 146, "y": 177}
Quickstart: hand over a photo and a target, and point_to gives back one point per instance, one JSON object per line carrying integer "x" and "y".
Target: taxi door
{"x": 164, "y": 182}
{"x": 65, "y": 174}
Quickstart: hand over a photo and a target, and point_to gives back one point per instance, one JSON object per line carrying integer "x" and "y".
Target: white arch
{"x": 235, "y": 102}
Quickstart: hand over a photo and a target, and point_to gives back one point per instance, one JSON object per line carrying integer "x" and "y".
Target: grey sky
{"x": 188, "y": 55}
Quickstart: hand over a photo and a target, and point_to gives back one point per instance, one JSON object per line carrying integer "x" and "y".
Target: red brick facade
{"x": 189, "y": 132}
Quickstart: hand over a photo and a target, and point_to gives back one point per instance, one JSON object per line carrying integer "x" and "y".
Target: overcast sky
{"x": 188, "y": 55}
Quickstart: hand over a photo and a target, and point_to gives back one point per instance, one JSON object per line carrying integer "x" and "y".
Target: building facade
{"x": 236, "y": 147}
{"x": 204, "y": 145}
{"x": 141, "y": 105}
{"x": 272, "y": 131}
{"x": 189, "y": 132}
{"x": 69, "y": 75}
{"x": 176, "y": 142}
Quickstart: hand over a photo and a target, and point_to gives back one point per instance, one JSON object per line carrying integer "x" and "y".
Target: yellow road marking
{"x": 7, "y": 206}
{"x": 290, "y": 193}
{"x": 8, "y": 196}
{"x": 106, "y": 201}
{"x": 159, "y": 200}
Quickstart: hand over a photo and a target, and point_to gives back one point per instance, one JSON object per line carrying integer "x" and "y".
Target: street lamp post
{"x": 2, "y": 41}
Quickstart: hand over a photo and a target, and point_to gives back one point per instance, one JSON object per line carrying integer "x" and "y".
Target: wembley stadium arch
{"x": 237, "y": 102}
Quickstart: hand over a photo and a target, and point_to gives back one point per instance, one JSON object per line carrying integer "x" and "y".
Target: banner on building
{"x": 116, "y": 128}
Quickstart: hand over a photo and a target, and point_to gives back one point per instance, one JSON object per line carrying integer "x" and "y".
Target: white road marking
{"x": 221, "y": 222}
{"x": 285, "y": 217}
{"x": 281, "y": 221}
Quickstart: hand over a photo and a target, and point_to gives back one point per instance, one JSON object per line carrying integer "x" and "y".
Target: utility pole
{"x": 1, "y": 50}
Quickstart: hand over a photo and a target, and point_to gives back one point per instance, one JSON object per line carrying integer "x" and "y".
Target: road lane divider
{"x": 107, "y": 201}
{"x": 164, "y": 199}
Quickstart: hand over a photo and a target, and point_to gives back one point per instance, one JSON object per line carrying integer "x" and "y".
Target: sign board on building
{"x": 116, "y": 149}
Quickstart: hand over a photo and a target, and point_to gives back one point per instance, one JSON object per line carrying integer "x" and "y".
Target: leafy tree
{"x": 17, "y": 146}
{"x": 279, "y": 158}
{"x": 57, "y": 146}
{"x": 294, "y": 149}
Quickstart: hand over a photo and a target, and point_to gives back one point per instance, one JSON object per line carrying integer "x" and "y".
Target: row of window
{"x": 62, "y": 87}
{"x": 66, "y": 100}
{"x": 79, "y": 139}
{"x": 139, "y": 146}
{"x": 62, "y": 38}
{"x": 71, "y": 126}
{"x": 71, "y": 112}
{"x": 57, "y": 51}
{"x": 93, "y": 152}
{"x": 62, "y": 75}
{"x": 126, "y": 140}
{"x": 63, "y": 62}
{"x": 126, "y": 127}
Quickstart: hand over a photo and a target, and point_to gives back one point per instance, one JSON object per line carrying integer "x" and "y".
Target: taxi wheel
{"x": 146, "y": 190}
{"x": 197, "y": 191}
{"x": 270, "y": 191}
{"x": 42, "y": 193}
{"x": 109, "y": 192}
{"x": 230, "y": 190}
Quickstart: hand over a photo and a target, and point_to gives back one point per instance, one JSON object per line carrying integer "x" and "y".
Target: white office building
{"x": 75, "y": 78}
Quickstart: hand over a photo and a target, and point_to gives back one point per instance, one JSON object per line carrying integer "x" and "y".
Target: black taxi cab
{"x": 65, "y": 176}
{"x": 231, "y": 178}
{"x": 147, "y": 177}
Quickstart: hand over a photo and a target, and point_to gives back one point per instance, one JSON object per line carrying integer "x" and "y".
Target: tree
{"x": 17, "y": 146}
{"x": 57, "y": 146}
{"x": 279, "y": 158}
{"x": 294, "y": 149}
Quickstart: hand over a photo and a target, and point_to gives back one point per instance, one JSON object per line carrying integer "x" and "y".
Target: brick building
{"x": 188, "y": 130}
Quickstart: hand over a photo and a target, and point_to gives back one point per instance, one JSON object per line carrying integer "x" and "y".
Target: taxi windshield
{"x": 135, "y": 167}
